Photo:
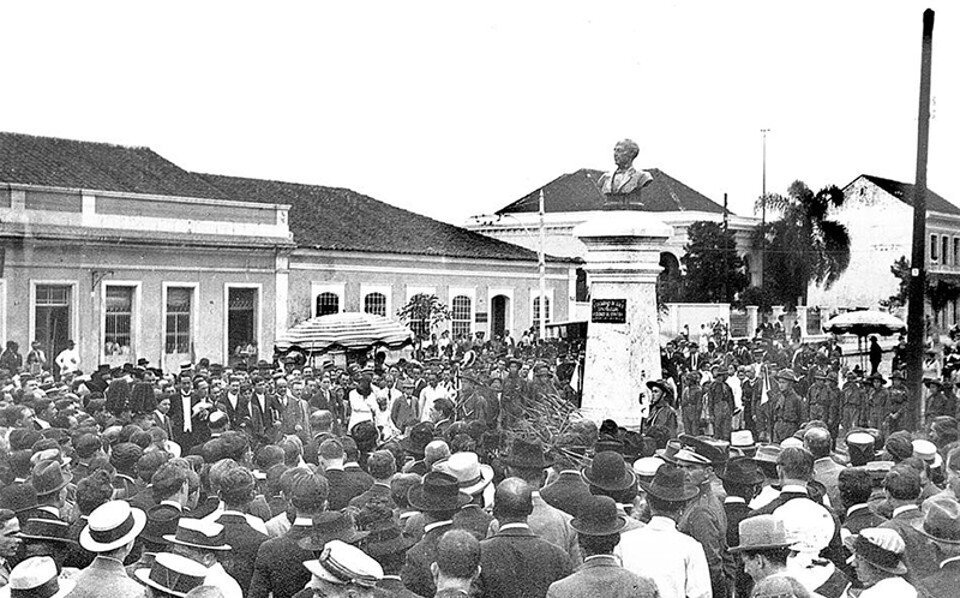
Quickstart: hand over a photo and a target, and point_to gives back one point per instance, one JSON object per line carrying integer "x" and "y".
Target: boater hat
{"x": 36, "y": 577}
{"x": 173, "y": 574}
{"x": 48, "y": 530}
{"x": 112, "y": 525}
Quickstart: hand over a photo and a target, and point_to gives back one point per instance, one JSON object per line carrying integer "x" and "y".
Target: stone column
{"x": 802, "y": 321}
{"x": 753, "y": 319}
{"x": 623, "y": 337}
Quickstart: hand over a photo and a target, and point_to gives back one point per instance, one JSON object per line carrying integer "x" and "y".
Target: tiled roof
{"x": 52, "y": 162}
{"x": 334, "y": 218}
{"x": 578, "y": 192}
{"x": 320, "y": 217}
{"x": 904, "y": 192}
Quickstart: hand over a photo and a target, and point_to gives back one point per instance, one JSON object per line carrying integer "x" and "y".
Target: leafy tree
{"x": 714, "y": 271}
{"x": 423, "y": 314}
{"x": 940, "y": 292}
{"x": 758, "y": 296}
{"x": 804, "y": 245}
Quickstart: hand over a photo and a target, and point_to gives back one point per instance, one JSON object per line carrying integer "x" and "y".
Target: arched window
{"x": 328, "y": 303}
{"x": 536, "y": 310}
{"x": 375, "y": 303}
{"x": 460, "y": 316}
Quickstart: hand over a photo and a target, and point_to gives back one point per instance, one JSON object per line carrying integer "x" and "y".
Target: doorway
{"x": 242, "y": 328}
{"x": 52, "y": 317}
{"x": 499, "y": 305}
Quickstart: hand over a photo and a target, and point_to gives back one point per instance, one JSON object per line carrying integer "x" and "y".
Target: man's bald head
{"x": 817, "y": 441}
{"x": 434, "y": 451}
{"x": 513, "y": 500}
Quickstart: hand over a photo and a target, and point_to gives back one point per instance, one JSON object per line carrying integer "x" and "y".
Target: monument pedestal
{"x": 623, "y": 336}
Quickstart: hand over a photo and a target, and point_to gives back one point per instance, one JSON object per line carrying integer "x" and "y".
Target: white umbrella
{"x": 348, "y": 330}
{"x": 865, "y": 322}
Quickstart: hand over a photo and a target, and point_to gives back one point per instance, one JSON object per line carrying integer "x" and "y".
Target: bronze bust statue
{"x": 623, "y": 185}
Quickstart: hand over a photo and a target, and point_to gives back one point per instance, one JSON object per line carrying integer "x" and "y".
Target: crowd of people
{"x": 779, "y": 472}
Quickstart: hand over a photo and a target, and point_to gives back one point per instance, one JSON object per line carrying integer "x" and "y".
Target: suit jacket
{"x": 567, "y": 492}
{"x": 515, "y": 562}
{"x": 602, "y": 577}
{"x": 77, "y": 556}
{"x": 473, "y": 519}
{"x": 921, "y": 555}
{"x": 416, "y": 574}
{"x": 860, "y": 519}
{"x": 237, "y": 416}
{"x": 244, "y": 544}
{"x": 199, "y": 433}
{"x": 263, "y": 420}
{"x": 553, "y": 525}
{"x": 827, "y": 472}
{"x": 343, "y": 488}
{"x": 943, "y": 583}
{"x": 164, "y": 422}
{"x": 736, "y": 512}
{"x": 106, "y": 577}
{"x": 279, "y": 565}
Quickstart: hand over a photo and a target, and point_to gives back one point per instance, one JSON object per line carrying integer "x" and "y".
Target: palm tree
{"x": 804, "y": 245}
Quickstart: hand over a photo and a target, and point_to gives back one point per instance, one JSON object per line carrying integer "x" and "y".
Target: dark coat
{"x": 737, "y": 512}
{"x": 343, "y": 488}
{"x": 566, "y": 493}
{"x": 376, "y": 492}
{"x": 603, "y": 577}
{"x": 921, "y": 556}
{"x": 244, "y": 544}
{"x": 279, "y": 565}
{"x": 943, "y": 583}
{"x": 473, "y": 519}
{"x": 416, "y": 574}
{"x": 861, "y": 519}
{"x": 515, "y": 562}
{"x": 200, "y": 431}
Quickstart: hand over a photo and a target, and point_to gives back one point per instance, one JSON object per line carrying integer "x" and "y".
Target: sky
{"x": 453, "y": 109}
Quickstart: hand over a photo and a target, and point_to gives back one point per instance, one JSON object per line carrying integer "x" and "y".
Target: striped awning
{"x": 348, "y": 330}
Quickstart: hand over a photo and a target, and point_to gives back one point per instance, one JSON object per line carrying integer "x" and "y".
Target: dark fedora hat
{"x": 197, "y": 533}
{"x": 48, "y": 530}
{"x": 742, "y": 470}
{"x": 608, "y": 471}
{"x": 671, "y": 484}
{"x": 527, "y": 454}
{"x": 48, "y": 477}
{"x": 331, "y": 525}
{"x": 385, "y": 537}
{"x": 161, "y": 521}
{"x": 715, "y": 451}
{"x": 941, "y": 522}
{"x": 419, "y": 437}
{"x": 437, "y": 492}
{"x": 598, "y": 516}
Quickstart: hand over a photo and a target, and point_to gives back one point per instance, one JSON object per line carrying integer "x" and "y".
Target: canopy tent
{"x": 348, "y": 331}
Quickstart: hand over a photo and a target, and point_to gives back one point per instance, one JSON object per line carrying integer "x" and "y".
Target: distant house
{"x": 133, "y": 257}
{"x": 573, "y": 198}
{"x": 878, "y": 214}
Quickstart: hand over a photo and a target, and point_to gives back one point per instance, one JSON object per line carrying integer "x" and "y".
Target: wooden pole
{"x": 915, "y": 313}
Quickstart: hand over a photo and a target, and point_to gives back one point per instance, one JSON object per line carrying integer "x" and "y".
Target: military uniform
{"x": 852, "y": 397}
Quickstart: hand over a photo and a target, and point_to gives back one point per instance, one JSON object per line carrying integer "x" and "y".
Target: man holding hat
{"x": 110, "y": 533}
{"x": 601, "y": 576}
{"x": 658, "y": 551}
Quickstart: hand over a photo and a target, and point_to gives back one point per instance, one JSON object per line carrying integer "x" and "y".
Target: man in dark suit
{"x": 236, "y": 492}
{"x": 741, "y": 481}
{"x": 855, "y": 487}
{"x": 601, "y": 576}
{"x": 278, "y": 568}
{"x": 438, "y": 497}
{"x": 161, "y": 417}
{"x": 235, "y": 405}
{"x": 188, "y": 412}
{"x": 264, "y": 413}
{"x": 342, "y": 487}
{"x": 902, "y": 486}
{"x": 171, "y": 490}
{"x": 515, "y": 562}
{"x": 382, "y": 466}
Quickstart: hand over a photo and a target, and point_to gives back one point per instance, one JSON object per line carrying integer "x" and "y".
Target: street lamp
{"x": 489, "y": 219}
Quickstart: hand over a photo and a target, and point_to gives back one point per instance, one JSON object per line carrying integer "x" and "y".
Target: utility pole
{"x": 543, "y": 275}
{"x": 763, "y": 207}
{"x": 726, "y": 227}
{"x": 918, "y": 278}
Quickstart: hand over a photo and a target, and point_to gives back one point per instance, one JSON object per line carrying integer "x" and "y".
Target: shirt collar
{"x": 734, "y": 499}
{"x": 659, "y": 522}
{"x": 432, "y": 526}
{"x": 599, "y": 557}
{"x": 855, "y": 508}
{"x": 518, "y": 525}
{"x": 173, "y": 504}
{"x": 952, "y": 559}
{"x": 796, "y": 488}
{"x": 904, "y": 509}
{"x": 303, "y": 521}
